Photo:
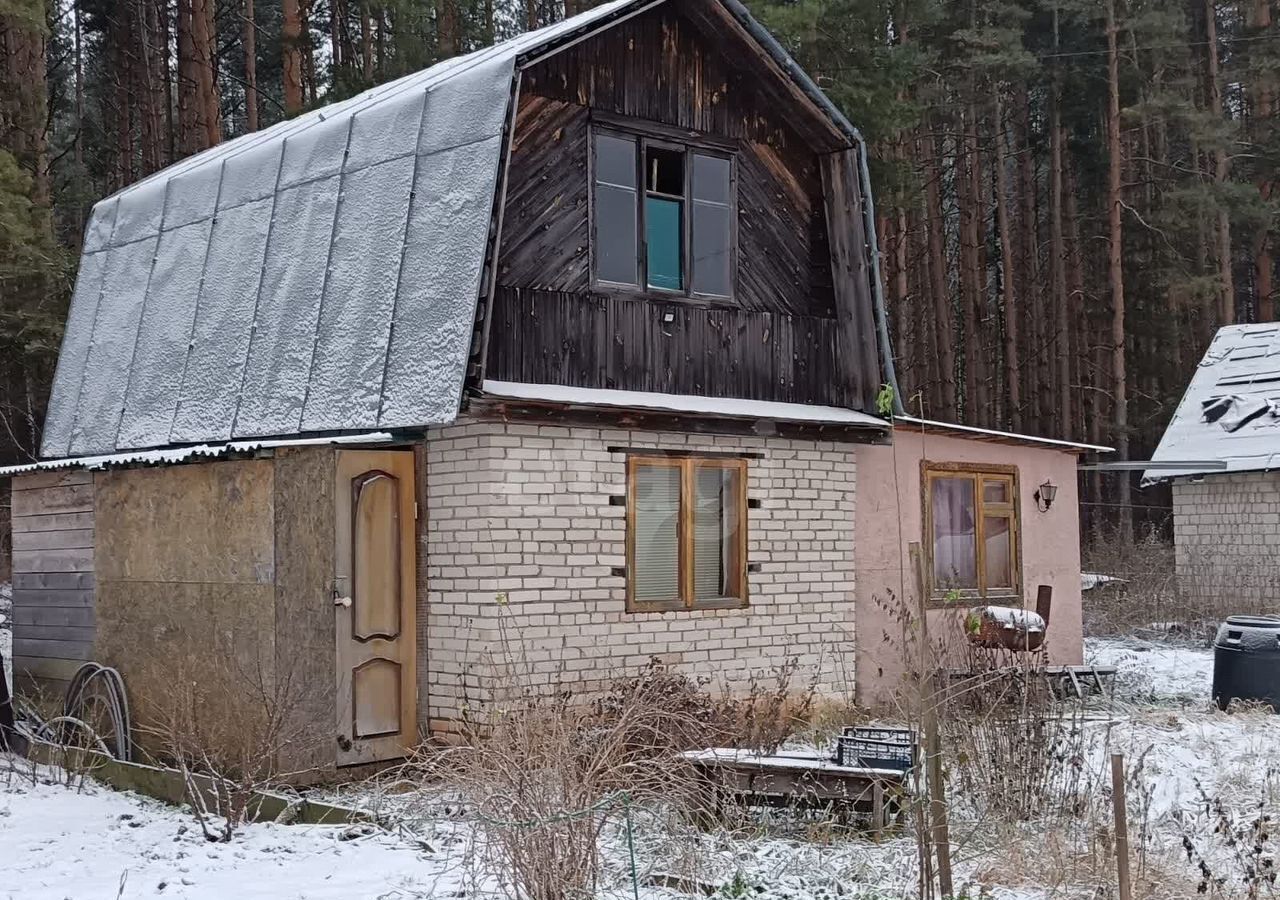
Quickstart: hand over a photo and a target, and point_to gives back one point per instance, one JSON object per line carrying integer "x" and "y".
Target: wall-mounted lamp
{"x": 1044, "y": 495}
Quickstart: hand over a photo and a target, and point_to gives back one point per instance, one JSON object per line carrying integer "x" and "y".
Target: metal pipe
{"x": 877, "y": 286}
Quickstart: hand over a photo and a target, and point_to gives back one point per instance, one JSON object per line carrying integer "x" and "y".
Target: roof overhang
{"x": 990, "y": 435}
{"x": 682, "y": 404}
{"x": 195, "y": 452}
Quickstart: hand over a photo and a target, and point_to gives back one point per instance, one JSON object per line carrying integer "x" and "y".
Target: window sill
{"x": 666, "y": 606}
{"x": 941, "y": 601}
{"x": 657, "y": 296}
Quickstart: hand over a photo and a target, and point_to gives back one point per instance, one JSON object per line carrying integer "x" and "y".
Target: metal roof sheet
{"x": 320, "y": 275}
{"x": 1231, "y": 409}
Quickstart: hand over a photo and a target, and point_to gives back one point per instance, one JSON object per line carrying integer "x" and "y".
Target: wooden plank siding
{"x": 783, "y": 255}
{"x": 851, "y": 272}
{"x": 53, "y": 582}
{"x": 594, "y": 341}
{"x": 789, "y": 333}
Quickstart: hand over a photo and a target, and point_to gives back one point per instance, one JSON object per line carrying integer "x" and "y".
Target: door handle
{"x": 342, "y": 601}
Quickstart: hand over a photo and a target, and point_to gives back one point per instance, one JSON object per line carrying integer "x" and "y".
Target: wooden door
{"x": 374, "y": 601}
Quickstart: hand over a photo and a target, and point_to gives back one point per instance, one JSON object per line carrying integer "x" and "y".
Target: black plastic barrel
{"x": 1246, "y": 661}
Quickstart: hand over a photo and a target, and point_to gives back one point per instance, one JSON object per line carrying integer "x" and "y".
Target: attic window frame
{"x": 646, "y": 135}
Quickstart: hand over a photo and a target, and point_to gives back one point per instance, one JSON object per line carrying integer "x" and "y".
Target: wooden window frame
{"x": 687, "y": 465}
{"x": 648, "y": 135}
{"x": 978, "y": 473}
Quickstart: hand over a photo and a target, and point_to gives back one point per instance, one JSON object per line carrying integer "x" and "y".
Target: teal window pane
{"x": 662, "y": 233}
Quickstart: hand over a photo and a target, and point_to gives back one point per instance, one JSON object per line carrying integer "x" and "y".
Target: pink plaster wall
{"x": 888, "y": 517}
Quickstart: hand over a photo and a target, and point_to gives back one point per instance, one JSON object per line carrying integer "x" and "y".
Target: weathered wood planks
{"x": 660, "y": 68}
{"x": 53, "y": 584}
{"x": 789, "y": 333}
{"x": 851, "y": 274}
{"x": 550, "y": 337}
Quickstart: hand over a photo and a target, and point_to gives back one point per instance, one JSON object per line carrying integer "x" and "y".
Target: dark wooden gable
{"x": 677, "y": 69}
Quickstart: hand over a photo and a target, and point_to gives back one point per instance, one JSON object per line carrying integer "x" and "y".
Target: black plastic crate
{"x": 877, "y": 748}
{"x": 881, "y": 733}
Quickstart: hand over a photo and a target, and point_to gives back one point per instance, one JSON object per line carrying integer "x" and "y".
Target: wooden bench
{"x": 802, "y": 781}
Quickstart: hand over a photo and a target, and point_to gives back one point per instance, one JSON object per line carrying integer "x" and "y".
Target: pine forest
{"x": 1071, "y": 195}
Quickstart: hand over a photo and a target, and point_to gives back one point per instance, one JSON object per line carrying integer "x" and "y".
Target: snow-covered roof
{"x": 321, "y": 275}
{"x": 726, "y": 407}
{"x": 1230, "y": 413}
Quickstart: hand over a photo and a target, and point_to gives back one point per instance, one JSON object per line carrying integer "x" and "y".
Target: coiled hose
{"x": 111, "y": 694}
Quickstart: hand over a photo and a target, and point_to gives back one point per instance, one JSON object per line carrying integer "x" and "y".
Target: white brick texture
{"x": 523, "y": 513}
{"x": 1226, "y": 532}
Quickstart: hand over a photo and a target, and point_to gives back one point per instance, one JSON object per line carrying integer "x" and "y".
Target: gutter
{"x": 806, "y": 84}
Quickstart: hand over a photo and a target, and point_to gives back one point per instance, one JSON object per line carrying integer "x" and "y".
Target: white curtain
{"x": 955, "y": 549}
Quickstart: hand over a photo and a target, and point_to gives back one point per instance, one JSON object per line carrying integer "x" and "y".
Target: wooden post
{"x": 1122, "y": 825}
{"x": 938, "y": 825}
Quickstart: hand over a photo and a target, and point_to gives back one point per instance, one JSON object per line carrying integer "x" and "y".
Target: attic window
{"x": 663, "y": 216}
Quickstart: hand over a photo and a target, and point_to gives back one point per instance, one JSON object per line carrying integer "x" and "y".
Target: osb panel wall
{"x": 304, "y": 548}
{"x": 53, "y": 536}
{"x": 186, "y": 600}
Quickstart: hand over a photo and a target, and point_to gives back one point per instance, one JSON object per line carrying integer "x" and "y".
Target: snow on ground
{"x": 58, "y": 842}
{"x": 1155, "y": 672}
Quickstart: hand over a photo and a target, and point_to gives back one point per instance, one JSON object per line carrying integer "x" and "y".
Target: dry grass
{"x": 543, "y": 774}
{"x": 225, "y": 759}
{"x": 1017, "y": 752}
{"x": 1163, "y": 597}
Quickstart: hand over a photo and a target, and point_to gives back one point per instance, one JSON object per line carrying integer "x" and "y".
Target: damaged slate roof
{"x": 1230, "y": 412}
{"x": 318, "y": 276}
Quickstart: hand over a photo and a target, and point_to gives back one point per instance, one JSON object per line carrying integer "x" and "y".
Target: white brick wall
{"x": 1227, "y": 540}
{"x": 523, "y": 511}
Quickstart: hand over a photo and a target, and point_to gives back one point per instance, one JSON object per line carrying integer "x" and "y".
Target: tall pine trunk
{"x": 1226, "y": 286}
{"x": 969, "y": 202}
{"x": 447, "y": 38}
{"x": 291, "y": 53}
{"x": 1058, "y": 262}
{"x": 1008, "y": 293}
{"x": 250, "y": 68}
{"x": 1260, "y": 117}
{"x": 1036, "y": 373}
{"x": 934, "y": 216}
{"x": 1115, "y": 274}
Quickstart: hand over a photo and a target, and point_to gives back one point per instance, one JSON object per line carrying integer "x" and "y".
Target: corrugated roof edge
{"x": 993, "y": 434}
{"x": 1239, "y": 465}
{"x": 170, "y": 455}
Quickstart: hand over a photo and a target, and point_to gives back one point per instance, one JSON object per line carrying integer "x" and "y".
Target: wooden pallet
{"x": 802, "y": 782}
{"x": 1065, "y": 681}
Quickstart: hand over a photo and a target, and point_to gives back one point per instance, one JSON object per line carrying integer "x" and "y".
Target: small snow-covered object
{"x": 1004, "y": 628}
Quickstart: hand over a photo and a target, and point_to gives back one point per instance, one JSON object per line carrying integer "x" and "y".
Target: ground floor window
{"x": 972, "y": 530}
{"x": 686, "y": 533}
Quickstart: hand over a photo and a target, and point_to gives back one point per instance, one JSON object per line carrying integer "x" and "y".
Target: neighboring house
{"x": 1220, "y": 451}
{"x": 561, "y": 356}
